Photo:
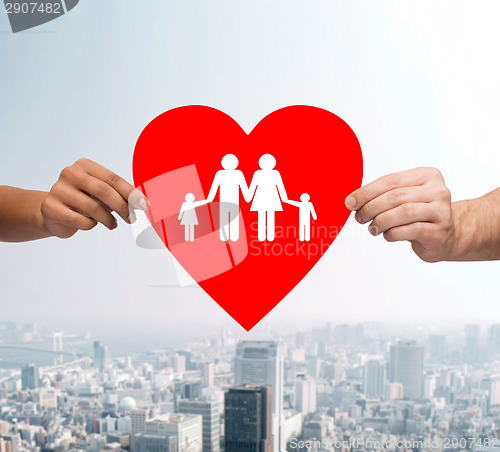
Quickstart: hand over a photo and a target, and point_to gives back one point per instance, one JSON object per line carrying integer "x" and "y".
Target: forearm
{"x": 477, "y": 228}
{"x": 20, "y": 215}
{"x": 212, "y": 193}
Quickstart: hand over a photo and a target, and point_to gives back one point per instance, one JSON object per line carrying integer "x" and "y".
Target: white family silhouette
{"x": 266, "y": 192}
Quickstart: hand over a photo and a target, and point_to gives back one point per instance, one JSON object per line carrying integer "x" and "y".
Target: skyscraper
{"x": 492, "y": 385}
{"x": 179, "y": 363}
{"x": 494, "y": 340}
{"x": 437, "y": 347}
{"x": 260, "y": 363}
{"x": 186, "y": 389}
{"x": 30, "y": 377}
{"x": 248, "y": 419}
{"x": 101, "y": 355}
{"x": 407, "y": 367}
{"x": 471, "y": 348}
{"x": 187, "y": 359}
{"x": 138, "y": 419}
{"x": 208, "y": 374}
{"x": 209, "y": 410}
{"x": 305, "y": 394}
{"x": 375, "y": 378}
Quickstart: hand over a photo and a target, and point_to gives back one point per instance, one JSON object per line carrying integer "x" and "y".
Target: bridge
{"x": 40, "y": 350}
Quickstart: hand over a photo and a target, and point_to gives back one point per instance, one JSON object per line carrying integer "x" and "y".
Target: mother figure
{"x": 268, "y": 188}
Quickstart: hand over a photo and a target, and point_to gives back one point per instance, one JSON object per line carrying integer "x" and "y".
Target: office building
{"x": 46, "y": 398}
{"x": 314, "y": 429}
{"x": 430, "y": 385}
{"x": 393, "y": 391}
{"x": 494, "y": 340}
{"x": 209, "y": 411}
{"x": 4, "y": 428}
{"x": 30, "y": 377}
{"x": 12, "y": 443}
{"x": 471, "y": 347}
{"x": 305, "y": 394}
{"x": 186, "y": 428}
{"x": 248, "y": 419}
{"x": 407, "y": 367}
{"x": 208, "y": 375}
{"x": 375, "y": 379}
{"x": 138, "y": 418}
{"x": 188, "y": 364}
{"x": 492, "y": 385}
{"x": 178, "y": 363}
{"x": 101, "y": 356}
{"x": 121, "y": 438}
{"x": 186, "y": 389}
{"x": 260, "y": 363}
{"x": 148, "y": 442}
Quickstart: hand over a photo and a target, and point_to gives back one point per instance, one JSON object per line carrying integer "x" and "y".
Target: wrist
{"x": 38, "y": 220}
{"x": 472, "y": 238}
{"x": 461, "y": 238}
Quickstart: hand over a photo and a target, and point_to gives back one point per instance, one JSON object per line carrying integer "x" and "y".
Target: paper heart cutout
{"x": 180, "y": 152}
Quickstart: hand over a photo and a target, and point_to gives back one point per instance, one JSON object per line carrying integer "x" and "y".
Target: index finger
{"x": 407, "y": 178}
{"x": 118, "y": 183}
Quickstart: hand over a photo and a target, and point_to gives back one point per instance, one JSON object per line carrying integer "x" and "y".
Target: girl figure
{"x": 188, "y": 217}
{"x": 268, "y": 187}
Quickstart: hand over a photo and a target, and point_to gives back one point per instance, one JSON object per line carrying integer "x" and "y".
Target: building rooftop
{"x": 173, "y": 418}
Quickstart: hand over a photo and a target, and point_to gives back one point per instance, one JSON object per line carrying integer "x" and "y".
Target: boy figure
{"x": 306, "y": 210}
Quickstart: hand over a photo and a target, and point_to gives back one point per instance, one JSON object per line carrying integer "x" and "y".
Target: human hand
{"x": 413, "y": 205}
{"x": 86, "y": 194}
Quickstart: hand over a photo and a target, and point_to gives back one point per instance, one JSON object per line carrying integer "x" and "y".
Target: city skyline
{"x": 222, "y": 392}
{"x": 114, "y": 345}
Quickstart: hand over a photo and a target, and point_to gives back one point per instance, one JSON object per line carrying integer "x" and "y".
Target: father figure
{"x": 229, "y": 180}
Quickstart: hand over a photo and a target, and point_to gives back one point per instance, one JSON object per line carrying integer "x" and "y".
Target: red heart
{"x": 180, "y": 151}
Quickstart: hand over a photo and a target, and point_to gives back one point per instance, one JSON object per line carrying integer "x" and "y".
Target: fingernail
{"x": 350, "y": 202}
{"x": 372, "y": 230}
{"x": 144, "y": 203}
{"x": 132, "y": 217}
